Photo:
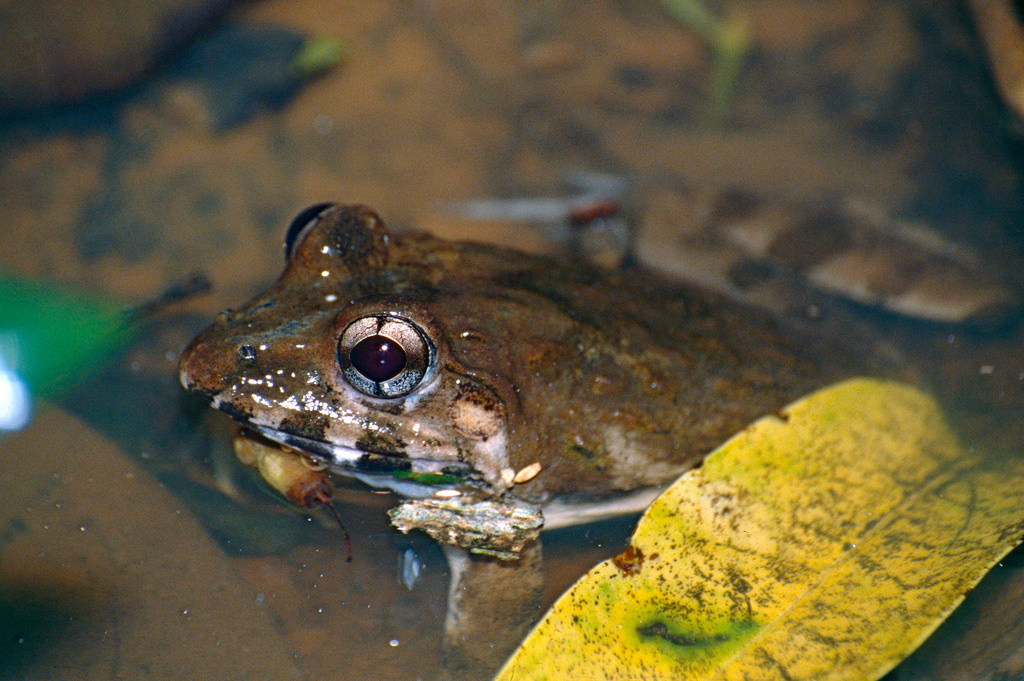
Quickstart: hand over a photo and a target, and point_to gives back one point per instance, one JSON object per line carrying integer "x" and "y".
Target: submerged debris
{"x": 495, "y": 528}
{"x": 847, "y": 249}
{"x": 1000, "y": 28}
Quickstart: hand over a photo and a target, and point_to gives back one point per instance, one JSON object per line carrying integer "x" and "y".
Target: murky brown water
{"x": 119, "y": 558}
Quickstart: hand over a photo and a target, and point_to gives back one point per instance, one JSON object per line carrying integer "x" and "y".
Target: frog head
{"x": 348, "y": 358}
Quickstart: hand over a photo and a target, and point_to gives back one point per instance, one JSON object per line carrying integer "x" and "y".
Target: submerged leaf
{"x": 51, "y": 334}
{"x": 826, "y": 543}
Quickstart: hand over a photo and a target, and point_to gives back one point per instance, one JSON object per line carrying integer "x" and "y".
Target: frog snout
{"x": 204, "y": 366}
{"x": 189, "y": 366}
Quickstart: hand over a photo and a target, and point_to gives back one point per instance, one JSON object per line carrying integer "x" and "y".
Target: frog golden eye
{"x": 384, "y": 356}
{"x": 303, "y": 220}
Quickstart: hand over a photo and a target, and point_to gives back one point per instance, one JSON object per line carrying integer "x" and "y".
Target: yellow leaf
{"x": 825, "y": 544}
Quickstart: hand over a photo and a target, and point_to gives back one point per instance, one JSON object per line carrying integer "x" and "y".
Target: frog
{"x": 488, "y": 387}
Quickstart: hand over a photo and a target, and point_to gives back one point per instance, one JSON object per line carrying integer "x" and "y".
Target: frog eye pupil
{"x": 379, "y": 358}
{"x": 385, "y": 355}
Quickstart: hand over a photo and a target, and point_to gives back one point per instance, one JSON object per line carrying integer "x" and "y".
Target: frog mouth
{"x": 408, "y": 477}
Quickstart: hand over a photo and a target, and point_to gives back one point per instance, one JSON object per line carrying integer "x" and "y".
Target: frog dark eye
{"x": 303, "y": 220}
{"x": 384, "y": 356}
{"x": 378, "y": 358}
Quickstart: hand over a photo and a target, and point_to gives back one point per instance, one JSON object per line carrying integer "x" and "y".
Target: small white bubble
{"x": 393, "y": 643}
{"x": 409, "y": 568}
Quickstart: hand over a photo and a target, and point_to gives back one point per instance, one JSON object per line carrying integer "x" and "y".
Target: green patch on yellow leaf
{"x": 824, "y": 544}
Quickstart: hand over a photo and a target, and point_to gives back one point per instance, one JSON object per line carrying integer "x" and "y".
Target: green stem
{"x": 729, "y": 40}
{"x": 730, "y": 51}
{"x": 697, "y": 17}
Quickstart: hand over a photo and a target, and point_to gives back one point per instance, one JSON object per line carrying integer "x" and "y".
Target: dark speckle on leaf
{"x": 662, "y": 631}
{"x": 629, "y": 561}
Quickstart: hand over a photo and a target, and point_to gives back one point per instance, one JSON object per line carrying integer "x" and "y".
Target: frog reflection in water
{"x": 452, "y": 371}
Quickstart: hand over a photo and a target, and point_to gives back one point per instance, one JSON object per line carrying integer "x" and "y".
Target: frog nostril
{"x": 247, "y": 353}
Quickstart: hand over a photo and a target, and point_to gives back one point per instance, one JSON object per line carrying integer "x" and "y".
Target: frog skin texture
{"x": 611, "y": 381}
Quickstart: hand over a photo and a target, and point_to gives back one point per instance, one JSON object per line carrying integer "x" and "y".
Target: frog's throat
{"x": 375, "y": 469}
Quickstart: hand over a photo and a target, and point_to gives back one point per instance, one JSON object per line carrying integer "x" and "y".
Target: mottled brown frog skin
{"x": 610, "y": 380}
